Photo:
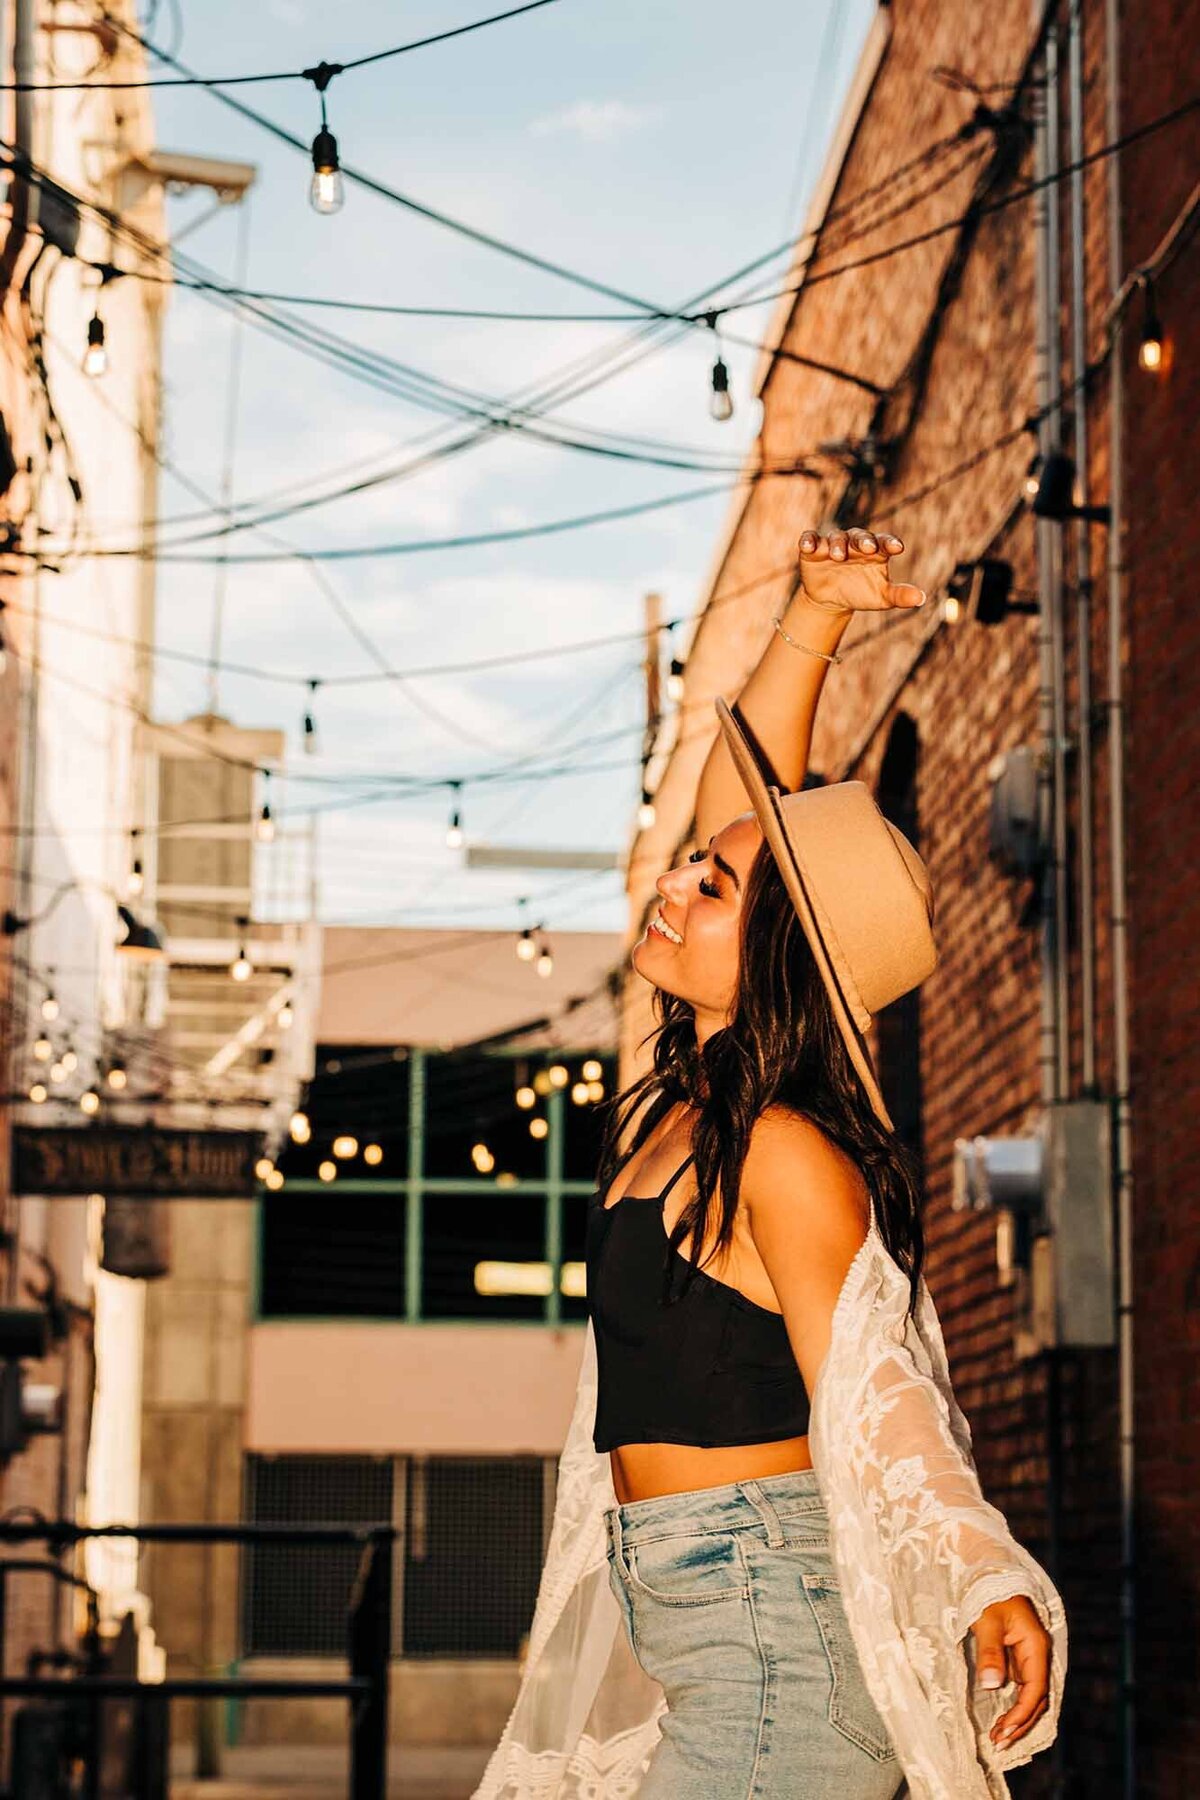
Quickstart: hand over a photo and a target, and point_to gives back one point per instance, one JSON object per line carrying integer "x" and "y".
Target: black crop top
{"x": 708, "y": 1367}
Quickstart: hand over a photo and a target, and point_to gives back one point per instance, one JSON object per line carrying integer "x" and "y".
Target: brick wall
{"x": 972, "y": 691}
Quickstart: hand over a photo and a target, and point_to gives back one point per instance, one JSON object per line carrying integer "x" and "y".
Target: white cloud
{"x": 595, "y": 121}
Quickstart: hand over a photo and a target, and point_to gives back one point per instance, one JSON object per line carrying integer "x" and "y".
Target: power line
{"x": 219, "y": 81}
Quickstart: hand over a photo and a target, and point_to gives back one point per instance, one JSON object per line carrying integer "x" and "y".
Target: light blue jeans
{"x": 731, "y": 1602}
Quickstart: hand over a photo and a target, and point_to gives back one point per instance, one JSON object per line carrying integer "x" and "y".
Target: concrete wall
{"x": 483, "y": 1390}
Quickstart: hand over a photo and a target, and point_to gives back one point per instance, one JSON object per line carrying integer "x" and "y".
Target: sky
{"x": 655, "y": 149}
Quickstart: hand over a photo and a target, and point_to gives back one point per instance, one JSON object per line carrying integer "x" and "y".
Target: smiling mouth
{"x": 659, "y": 930}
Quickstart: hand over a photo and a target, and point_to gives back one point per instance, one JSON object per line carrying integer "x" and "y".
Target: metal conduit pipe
{"x": 1083, "y": 571}
{"x": 1119, "y": 924}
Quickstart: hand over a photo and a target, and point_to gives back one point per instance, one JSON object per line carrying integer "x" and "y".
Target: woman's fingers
{"x": 840, "y": 545}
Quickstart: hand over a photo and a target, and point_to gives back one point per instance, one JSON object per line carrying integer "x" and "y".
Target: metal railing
{"x": 368, "y": 1649}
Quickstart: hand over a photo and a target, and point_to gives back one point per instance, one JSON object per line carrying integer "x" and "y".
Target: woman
{"x": 771, "y": 1565}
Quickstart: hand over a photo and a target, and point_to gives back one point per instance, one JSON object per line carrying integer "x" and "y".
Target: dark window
{"x": 899, "y": 1025}
{"x": 470, "y": 1099}
{"x": 360, "y": 1092}
{"x": 583, "y": 1124}
{"x": 295, "y": 1598}
{"x": 473, "y": 1554}
{"x": 462, "y": 1230}
{"x": 332, "y": 1254}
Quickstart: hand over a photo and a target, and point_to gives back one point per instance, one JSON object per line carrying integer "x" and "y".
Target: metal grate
{"x": 473, "y": 1553}
{"x": 468, "y": 1565}
{"x": 295, "y": 1600}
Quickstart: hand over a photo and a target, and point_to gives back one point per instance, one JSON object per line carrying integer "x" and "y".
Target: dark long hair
{"x": 781, "y": 1047}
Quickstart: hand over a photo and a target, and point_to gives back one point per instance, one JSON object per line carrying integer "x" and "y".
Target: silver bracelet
{"x": 835, "y": 657}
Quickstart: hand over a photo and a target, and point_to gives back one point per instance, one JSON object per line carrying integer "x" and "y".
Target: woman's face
{"x": 701, "y": 902}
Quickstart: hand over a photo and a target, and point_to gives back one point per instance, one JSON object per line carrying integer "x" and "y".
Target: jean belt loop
{"x": 765, "y": 1511}
{"x": 618, "y": 1541}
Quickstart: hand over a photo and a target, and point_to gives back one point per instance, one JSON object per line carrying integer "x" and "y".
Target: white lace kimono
{"x": 918, "y": 1551}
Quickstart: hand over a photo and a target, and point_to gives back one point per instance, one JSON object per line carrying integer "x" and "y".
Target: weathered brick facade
{"x": 1047, "y": 1439}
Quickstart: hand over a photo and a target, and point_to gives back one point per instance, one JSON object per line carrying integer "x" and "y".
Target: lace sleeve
{"x": 919, "y": 1551}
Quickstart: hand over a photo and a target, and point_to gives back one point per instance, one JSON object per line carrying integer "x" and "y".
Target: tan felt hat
{"x": 861, "y": 893}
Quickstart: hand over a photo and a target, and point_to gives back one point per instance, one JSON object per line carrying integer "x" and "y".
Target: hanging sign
{"x": 141, "y": 1159}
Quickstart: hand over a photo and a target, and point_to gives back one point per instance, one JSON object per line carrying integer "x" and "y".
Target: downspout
{"x": 1123, "y": 1150}
{"x": 1083, "y": 573}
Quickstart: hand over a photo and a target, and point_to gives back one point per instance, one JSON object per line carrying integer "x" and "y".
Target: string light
{"x": 592, "y": 1069}
{"x": 327, "y": 1170}
{"x": 275, "y": 1180}
{"x": 1031, "y": 476}
{"x": 720, "y": 404}
{"x": 559, "y": 1076}
{"x": 579, "y": 1093}
{"x": 526, "y": 1098}
{"x": 263, "y": 1167}
{"x": 541, "y": 1082}
{"x": 526, "y": 948}
{"x": 95, "y": 357}
{"x": 454, "y": 834}
{"x": 327, "y": 190}
{"x": 545, "y": 962}
{"x": 595, "y": 1090}
{"x": 38, "y": 1093}
{"x": 57, "y": 1072}
{"x": 285, "y": 1018}
{"x": 299, "y": 1128}
{"x": 50, "y": 1005}
{"x": 310, "y": 719}
{"x": 345, "y": 1146}
{"x": 117, "y": 1078}
{"x": 538, "y": 1128}
{"x": 241, "y": 968}
{"x": 265, "y": 829}
{"x": 43, "y": 1049}
{"x": 373, "y": 1154}
{"x": 1150, "y": 350}
{"x": 69, "y": 1060}
{"x": 137, "y": 876}
{"x": 675, "y": 680}
{"x": 89, "y": 1102}
{"x": 483, "y": 1159}
{"x": 646, "y": 813}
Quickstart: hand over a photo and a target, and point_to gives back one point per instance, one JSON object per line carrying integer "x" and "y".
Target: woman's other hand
{"x": 1011, "y": 1640}
{"x": 847, "y": 571}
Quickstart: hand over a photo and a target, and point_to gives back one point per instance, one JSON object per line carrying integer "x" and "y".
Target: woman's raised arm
{"x": 841, "y": 574}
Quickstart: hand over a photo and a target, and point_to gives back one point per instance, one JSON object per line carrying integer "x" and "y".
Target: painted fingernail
{"x": 990, "y": 1677}
{"x": 869, "y": 544}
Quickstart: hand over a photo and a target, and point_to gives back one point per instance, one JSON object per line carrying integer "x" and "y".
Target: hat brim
{"x": 765, "y": 800}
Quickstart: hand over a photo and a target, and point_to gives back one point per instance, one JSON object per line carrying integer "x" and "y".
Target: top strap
{"x": 675, "y": 1177}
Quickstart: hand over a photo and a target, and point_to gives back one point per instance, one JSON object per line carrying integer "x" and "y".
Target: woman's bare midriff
{"x": 646, "y": 1471}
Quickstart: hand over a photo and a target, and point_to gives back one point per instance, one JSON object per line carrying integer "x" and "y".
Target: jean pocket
{"x": 851, "y": 1708}
{"x": 697, "y": 1570}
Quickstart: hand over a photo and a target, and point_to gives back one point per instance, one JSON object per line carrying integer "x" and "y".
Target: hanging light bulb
{"x": 50, "y": 1005}
{"x": 579, "y": 1093}
{"x": 592, "y": 1069}
{"x": 1150, "y": 350}
{"x": 327, "y": 1170}
{"x": 310, "y": 719}
{"x": 538, "y": 1128}
{"x": 559, "y": 1075}
{"x": 38, "y": 1093}
{"x": 646, "y": 814}
{"x": 43, "y": 1049}
{"x": 345, "y": 1146}
{"x": 264, "y": 831}
{"x": 454, "y": 834}
{"x": 526, "y": 1097}
{"x": 675, "y": 680}
{"x": 285, "y": 1018}
{"x": 595, "y": 1090}
{"x": 57, "y": 1072}
{"x": 1032, "y": 474}
{"x": 263, "y": 1167}
{"x": 241, "y": 968}
{"x": 545, "y": 962}
{"x": 299, "y": 1128}
{"x": 373, "y": 1154}
{"x": 95, "y": 357}
{"x": 721, "y": 404}
{"x": 117, "y": 1078}
{"x": 89, "y": 1102}
{"x": 526, "y": 948}
{"x": 274, "y": 1180}
{"x": 69, "y": 1060}
{"x": 327, "y": 191}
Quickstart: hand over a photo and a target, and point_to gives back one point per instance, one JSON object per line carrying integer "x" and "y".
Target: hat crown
{"x": 869, "y": 889}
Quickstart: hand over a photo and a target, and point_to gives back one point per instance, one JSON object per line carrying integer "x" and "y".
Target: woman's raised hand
{"x": 847, "y": 571}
